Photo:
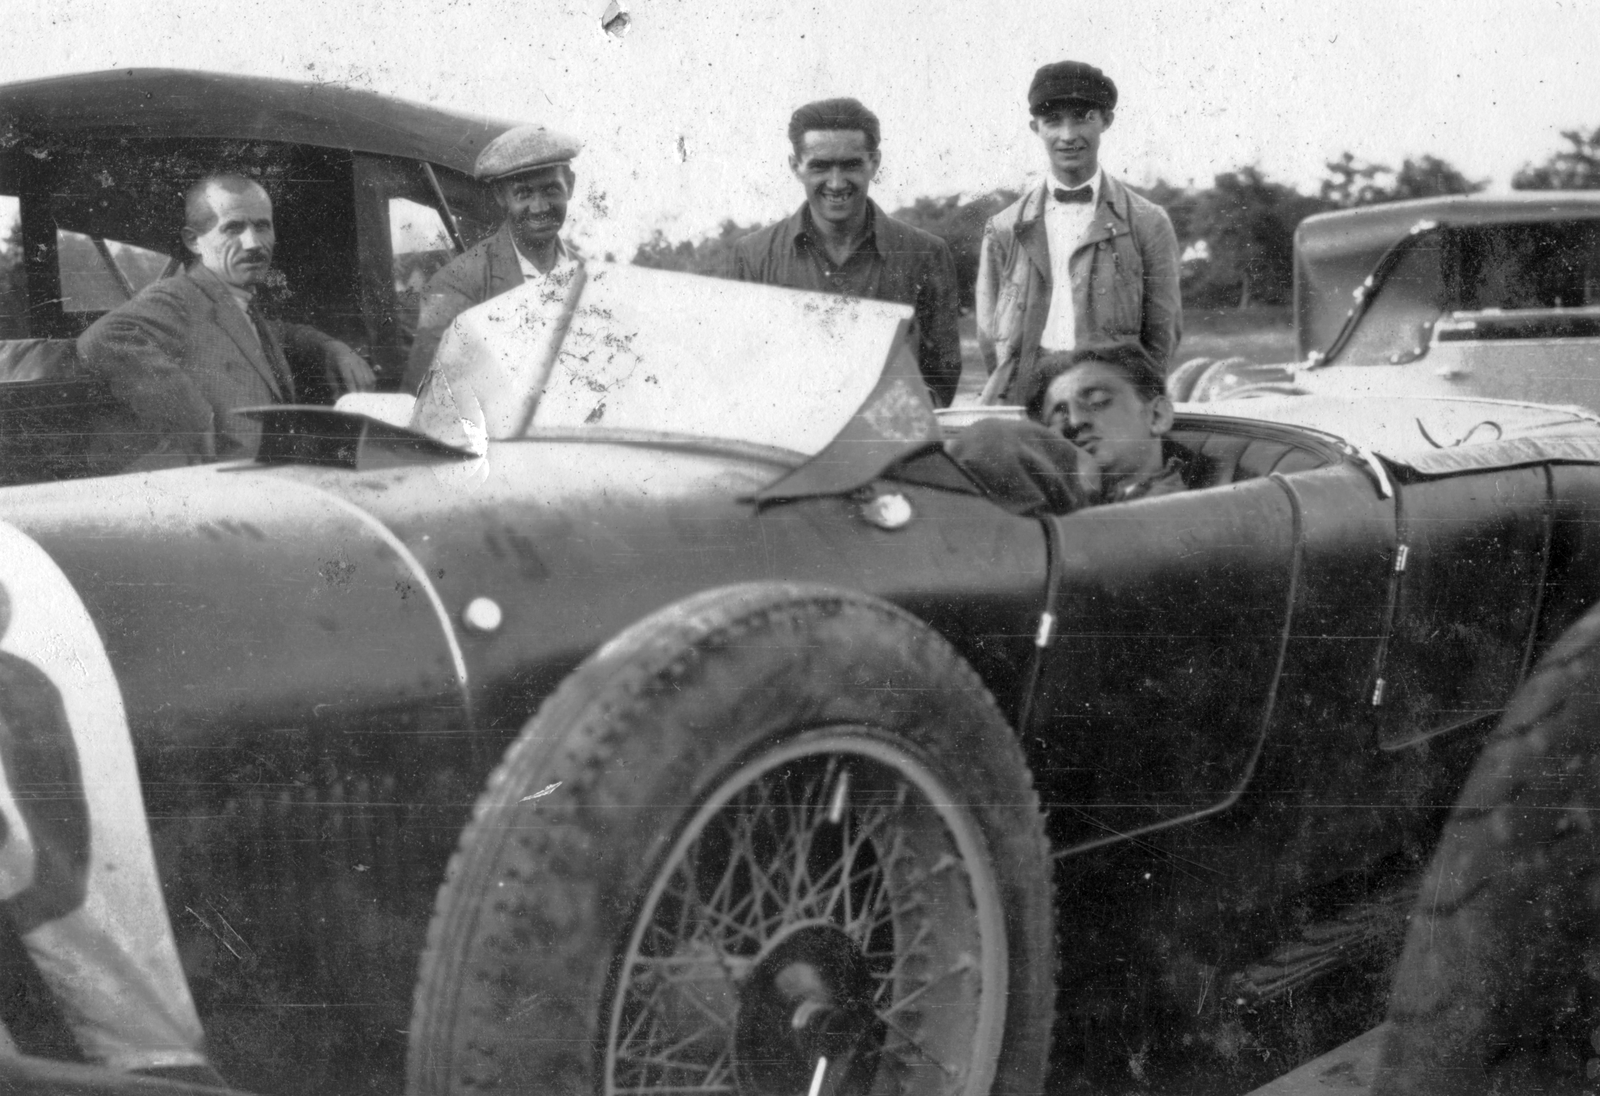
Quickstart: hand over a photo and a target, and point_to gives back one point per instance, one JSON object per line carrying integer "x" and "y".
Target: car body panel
{"x": 1489, "y": 297}
{"x": 285, "y": 636}
{"x": 1335, "y": 252}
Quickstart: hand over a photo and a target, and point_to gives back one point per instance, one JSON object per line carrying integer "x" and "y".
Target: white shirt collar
{"x": 529, "y": 271}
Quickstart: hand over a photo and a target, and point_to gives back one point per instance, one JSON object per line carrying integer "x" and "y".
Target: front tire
{"x": 1496, "y": 987}
{"x": 771, "y": 840}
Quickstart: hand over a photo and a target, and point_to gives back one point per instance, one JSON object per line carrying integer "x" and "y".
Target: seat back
{"x": 37, "y": 360}
{"x": 1233, "y": 457}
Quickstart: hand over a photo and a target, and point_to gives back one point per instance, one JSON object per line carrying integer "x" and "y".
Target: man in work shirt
{"x": 839, "y": 241}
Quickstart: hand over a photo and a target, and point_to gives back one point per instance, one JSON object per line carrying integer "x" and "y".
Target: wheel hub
{"x": 806, "y": 1019}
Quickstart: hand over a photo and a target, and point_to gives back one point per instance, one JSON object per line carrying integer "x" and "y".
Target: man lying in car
{"x": 1098, "y": 416}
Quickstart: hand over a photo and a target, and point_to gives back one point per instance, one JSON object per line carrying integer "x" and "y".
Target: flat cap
{"x": 524, "y": 148}
{"x": 1072, "y": 80}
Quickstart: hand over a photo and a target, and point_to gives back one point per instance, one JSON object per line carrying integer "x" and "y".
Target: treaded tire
{"x": 1495, "y": 989}
{"x": 599, "y": 837}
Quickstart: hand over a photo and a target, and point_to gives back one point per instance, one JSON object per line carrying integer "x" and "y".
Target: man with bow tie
{"x": 1114, "y": 251}
{"x": 191, "y": 349}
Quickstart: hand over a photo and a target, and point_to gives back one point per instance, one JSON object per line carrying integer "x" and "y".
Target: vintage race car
{"x": 655, "y": 707}
{"x": 1488, "y": 296}
{"x": 371, "y": 195}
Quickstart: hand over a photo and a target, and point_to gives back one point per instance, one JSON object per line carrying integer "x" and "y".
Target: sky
{"x": 684, "y": 116}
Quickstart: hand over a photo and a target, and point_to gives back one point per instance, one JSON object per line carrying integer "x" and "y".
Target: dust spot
{"x": 615, "y": 20}
{"x": 405, "y": 589}
{"x": 597, "y": 414}
{"x": 336, "y": 572}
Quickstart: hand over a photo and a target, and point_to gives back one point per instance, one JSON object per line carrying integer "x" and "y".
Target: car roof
{"x": 1334, "y": 252}
{"x": 154, "y": 103}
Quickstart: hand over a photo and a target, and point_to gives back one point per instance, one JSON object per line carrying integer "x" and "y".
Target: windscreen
{"x": 623, "y": 348}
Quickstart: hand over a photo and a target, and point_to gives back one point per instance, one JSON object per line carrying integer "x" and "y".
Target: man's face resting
{"x": 1095, "y": 406}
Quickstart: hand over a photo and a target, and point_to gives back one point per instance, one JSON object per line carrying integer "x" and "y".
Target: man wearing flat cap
{"x": 1080, "y": 258}
{"x": 839, "y": 241}
{"x": 530, "y": 169}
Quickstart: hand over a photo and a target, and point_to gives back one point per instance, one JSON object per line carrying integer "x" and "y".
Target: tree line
{"x": 1236, "y": 236}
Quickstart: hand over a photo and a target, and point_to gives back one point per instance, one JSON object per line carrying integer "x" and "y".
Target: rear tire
{"x": 1496, "y": 988}
{"x": 767, "y": 825}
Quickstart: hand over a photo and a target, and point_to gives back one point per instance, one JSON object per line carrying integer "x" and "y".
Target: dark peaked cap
{"x": 1071, "y": 80}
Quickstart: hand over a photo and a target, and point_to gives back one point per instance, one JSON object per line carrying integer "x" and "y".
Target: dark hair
{"x": 197, "y": 211}
{"x": 1128, "y": 358}
{"x": 833, "y": 114}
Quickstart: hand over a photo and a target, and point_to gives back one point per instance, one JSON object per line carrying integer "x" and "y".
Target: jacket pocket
{"x": 1007, "y": 322}
{"x": 1125, "y": 308}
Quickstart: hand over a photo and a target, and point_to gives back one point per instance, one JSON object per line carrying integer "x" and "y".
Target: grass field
{"x": 1256, "y": 334}
{"x": 1261, "y": 335}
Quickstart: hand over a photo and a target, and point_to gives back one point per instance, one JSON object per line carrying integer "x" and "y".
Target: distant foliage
{"x": 711, "y": 256}
{"x": 13, "y": 285}
{"x": 1236, "y": 237}
{"x": 1575, "y": 168}
{"x": 1351, "y": 182}
{"x": 960, "y": 225}
{"x": 1428, "y": 176}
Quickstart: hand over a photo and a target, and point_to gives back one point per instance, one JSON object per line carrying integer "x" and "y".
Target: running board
{"x": 1343, "y": 1071}
{"x": 1359, "y": 932}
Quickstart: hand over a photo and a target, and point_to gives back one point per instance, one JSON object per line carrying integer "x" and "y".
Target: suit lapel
{"x": 505, "y": 272}
{"x": 232, "y": 319}
{"x": 1110, "y": 214}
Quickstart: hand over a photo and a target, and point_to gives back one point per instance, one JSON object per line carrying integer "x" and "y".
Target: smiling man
{"x": 530, "y": 170}
{"x": 1099, "y": 416}
{"x": 189, "y": 350}
{"x": 1080, "y": 257}
{"x": 839, "y": 241}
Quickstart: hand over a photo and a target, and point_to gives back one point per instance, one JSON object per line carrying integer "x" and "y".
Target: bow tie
{"x": 1082, "y": 195}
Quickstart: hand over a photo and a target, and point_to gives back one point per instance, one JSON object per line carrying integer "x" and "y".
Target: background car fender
{"x": 113, "y": 955}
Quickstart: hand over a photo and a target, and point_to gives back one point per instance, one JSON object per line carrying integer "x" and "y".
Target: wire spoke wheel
{"x": 828, "y": 902}
{"x": 774, "y": 840}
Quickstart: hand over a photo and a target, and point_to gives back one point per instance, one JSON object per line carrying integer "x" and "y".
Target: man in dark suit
{"x": 189, "y": 350}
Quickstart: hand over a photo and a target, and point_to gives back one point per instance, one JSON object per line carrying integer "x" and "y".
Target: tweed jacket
{"x": 1124, "y": 283}
{"x": 180, "y": 357}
